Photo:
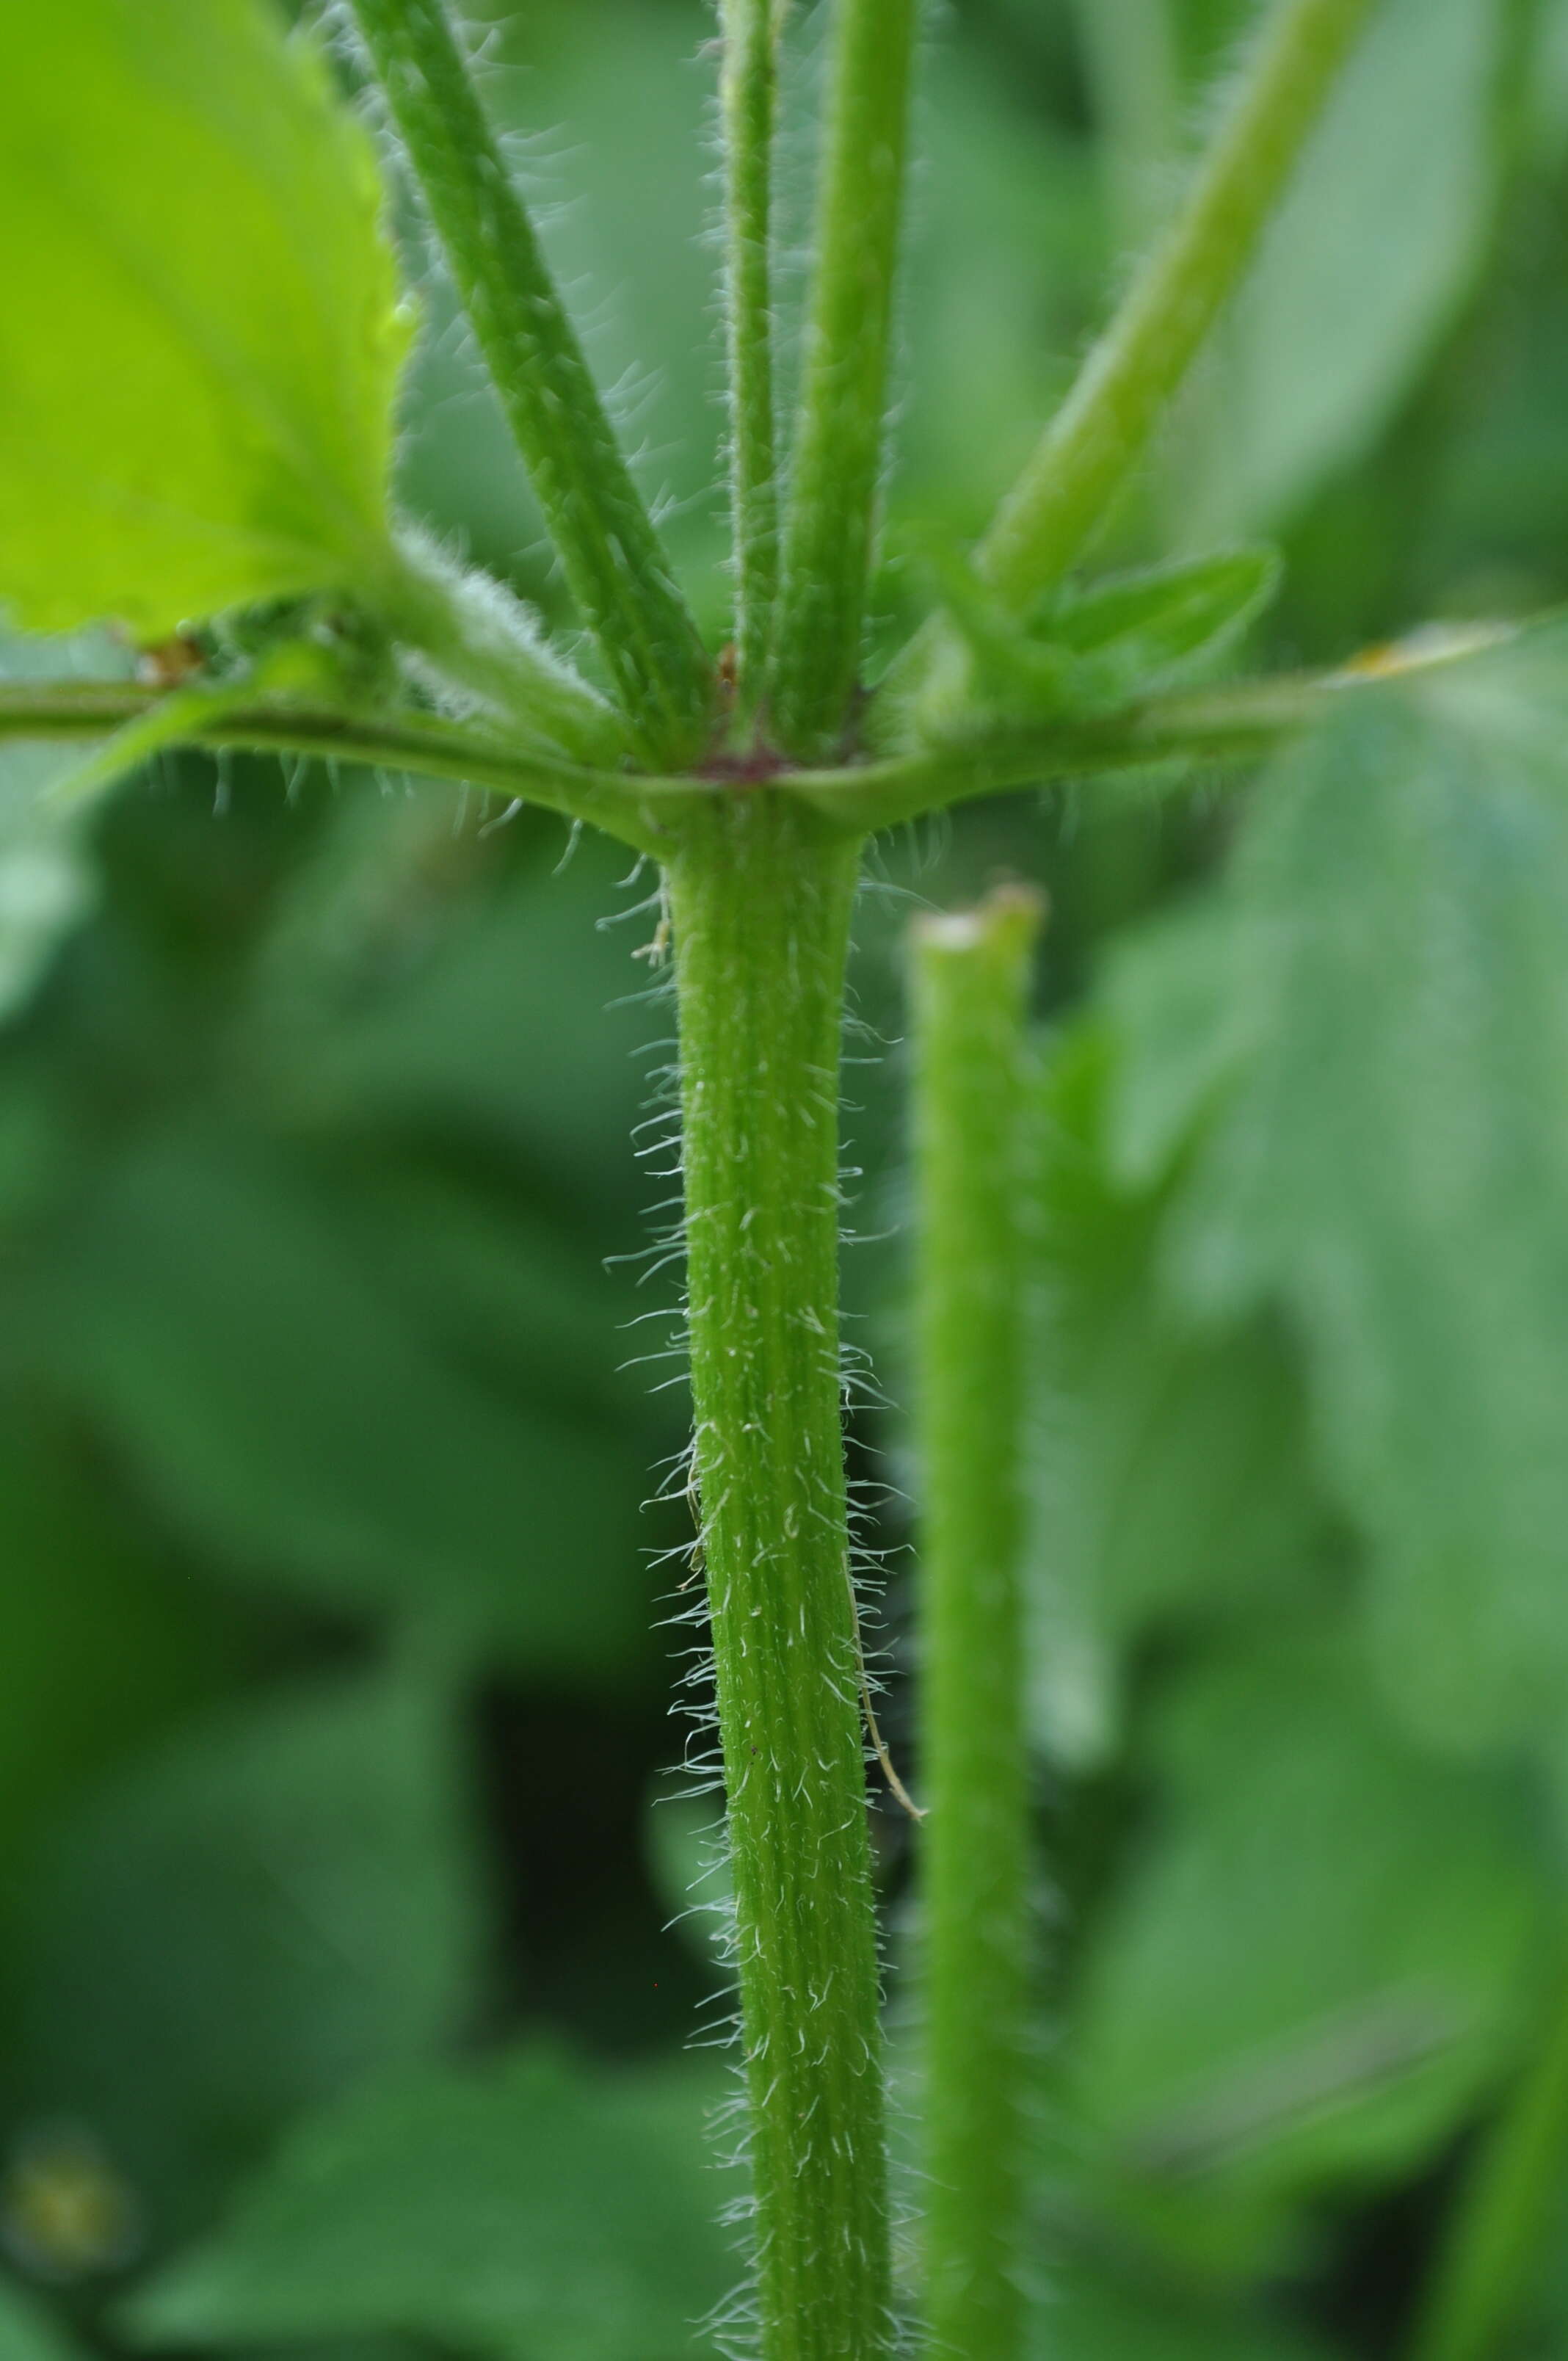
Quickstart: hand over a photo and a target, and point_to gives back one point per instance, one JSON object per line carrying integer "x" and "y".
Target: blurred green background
{"x": 338, "y": 1384}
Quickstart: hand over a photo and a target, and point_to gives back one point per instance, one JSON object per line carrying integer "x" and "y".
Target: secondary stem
{"x": 1508, "y": 2212}
{"x": 1101, "y": 433}
{"x": 838, "y": 456}
{"x": 971, "y": 978}
{"x": 614, "y": 562}
{"x": 479, "y": 641}
{"x": 747, "y": 100}
{"x": 640, "y": 811}
{"x": 761, "y": 890}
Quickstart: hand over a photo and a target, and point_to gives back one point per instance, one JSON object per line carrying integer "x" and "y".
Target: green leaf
{"x": 1157, "y": 620}
{"x": 1542, "y": 2328}
{"x": 106, "y": 1639}
{"x": 687, "y": 1854}
{"x": 1298, "y": 1835}
{"x": 1373, "y": 250}
{"x": 276, "y": 1904}
{"x": 248, "y": 1338}
{"x": 1392, "y": 1159}
{"x": 1093, "y": 647}
{"x": 46, "y": 881}
{"x": 1170, "y": 1479}
{"x": 1003, "y": 281}
{"x": 200, "y": 341}
{"x": 1176, "y": 998}
{"x": 458, "y": 1039}
{"x": 1092, "y": 2313}
{"x": 533, "y": 2208}
{"x": 26, "y": 2330}
{"x": 1548, "y": 82}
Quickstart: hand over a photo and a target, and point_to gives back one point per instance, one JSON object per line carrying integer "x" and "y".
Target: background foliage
{"x": 333, "y": 1888}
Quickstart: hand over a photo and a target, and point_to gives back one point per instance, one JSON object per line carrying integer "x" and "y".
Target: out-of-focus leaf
{"x": 1375, "y": 246}
{"x": 1003, "y": 283}
{"x": 531, "y": 1024}
{"x": 67, "y": 2210}
{"x": 199, "y": 343}
{"x": 27, "y": 2332}
{"x": 1284, "y": 1996}
{"x": 272, "y": 1907}
{"x": 622, "y": 203}
{"x": 1547, "y": 80}
{"x": 1093, "y": 647}
{"x": 46, "y": 883}
{"x": 1156, "y": 621}
{"x": 687, "y": 1855}
{"x": 1092, "y": 2313}
{"x": 1170, "y": 1476}
{"x": 1177, "y": 992}
{"x": 535, "y": 2208}
{"x": 1542, "y": 2328}
{"x": 217, "y": 1306}
{"x": 105, "y": 1641}
{"x": 1392, "y": 1160}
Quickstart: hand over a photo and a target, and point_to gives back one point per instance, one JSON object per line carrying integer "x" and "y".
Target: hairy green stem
{"x": 1100, "y": 434}
{"x": 839, "y": 450}
{"x": 747, "y": 84}
{"x": 478, "y": 642}
{"x": 1510, "y": 2212}
{"x": 614, "y": 562}
{"x": 970, "y": 977}
{"x": 761, "y": 892}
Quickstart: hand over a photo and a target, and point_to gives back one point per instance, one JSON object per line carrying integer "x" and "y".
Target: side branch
{"x": 1217, "y": 727}
{"x": 1100, "y": 434}
{"x": 642, "y": 812}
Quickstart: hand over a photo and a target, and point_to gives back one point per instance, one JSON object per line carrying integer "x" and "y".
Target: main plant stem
{"x": 970, "y": 986}
{"x": 762, "y": 889}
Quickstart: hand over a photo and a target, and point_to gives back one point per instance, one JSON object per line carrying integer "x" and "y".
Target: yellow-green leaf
{"x": 200, "y": 339}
